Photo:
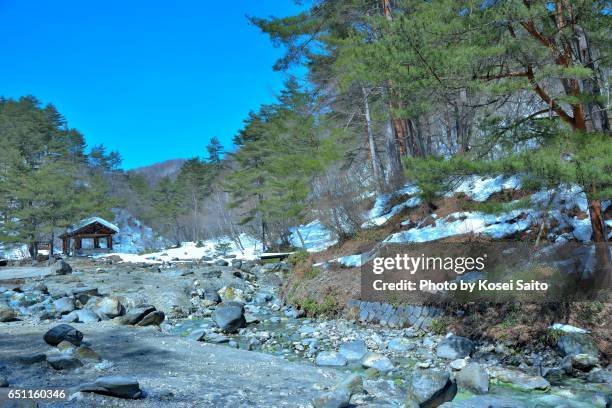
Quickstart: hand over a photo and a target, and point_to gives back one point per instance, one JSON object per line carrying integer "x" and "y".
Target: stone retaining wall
{"x": 384, "y": 314}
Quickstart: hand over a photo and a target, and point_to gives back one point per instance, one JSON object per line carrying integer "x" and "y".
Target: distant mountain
{"x": 157, "y": 171}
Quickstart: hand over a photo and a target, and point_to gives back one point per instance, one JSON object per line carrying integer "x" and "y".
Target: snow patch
{"x": 481, "y": 188}
{"x": 317, "y": 237}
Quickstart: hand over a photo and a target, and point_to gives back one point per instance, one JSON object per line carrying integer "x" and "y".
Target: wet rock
{"x": 337, "y": 398}
{"x": 401, "y": 345}
{"x": 63, "y": 332}
{"x": 33, "y": 358}
{"x": 584, "y": 362}
{"x": 454, "y": 347}
{"x": 473, "y": 378}
{"x": 330, "y": 359}
{"x": 229, "y": 316}
{"x": 135, "y": 315}
{"x": 61, "y": 267}
{"x": 519, "y": 379}
{"x": 485, "y": 401}
{"x": 571, "y": 344}
{"x": 152, "y": 319}
{"x": 353, "y": 350}
{"x": 64, "y": 362}
{"x": 115, "y": 386}
{"x": 377, "y": 361}
{"x": 3, "y": 382}
{"x": 110, "y": 307}
{"x": 430, "y": 388}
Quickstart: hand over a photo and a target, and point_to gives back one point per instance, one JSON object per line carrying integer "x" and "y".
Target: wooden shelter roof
{"x": 93, "y": 225}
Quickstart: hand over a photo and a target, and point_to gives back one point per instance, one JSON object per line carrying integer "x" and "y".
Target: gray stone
{"x": 63, "y": 332}
{"x": 600, "y": 376}
{"x": 110, "y": 307}
{"x": 401, "y": 345}
{"x": 135, "y": 315}
{"x": 330, "y": 359}
{"x": 474, "y": 378}
{"x": 519, "y": 379}
{"x": 454, "y": 347}
{"x": 64, "y": 362}
{"x": 353, "y": 383}
{"x": 152, "y": 319}
{"x": 429, "y": 389}
{"x": 86, "y": 316}
{"x": 86, "y": 353}
{"x": 377, "y": 361}
{"x": 221, "y": 262}
{"x": 229, "y": 316}
{"x": 571, "y": 344}
{"x": 337, "y": 398}
{"x": 7, "y": 314}
{"x": 115, "y": 386}
{"x": 353, "y": 350}
{"x": 485, "y": 401}
{"x": 211, "y": 296}
{"x": 84, "y": 294}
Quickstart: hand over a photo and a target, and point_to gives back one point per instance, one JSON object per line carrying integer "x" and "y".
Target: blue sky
{"x": 151, "y": 79}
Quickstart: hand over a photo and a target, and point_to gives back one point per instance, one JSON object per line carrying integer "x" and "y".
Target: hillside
{"x": 156, "y": 171}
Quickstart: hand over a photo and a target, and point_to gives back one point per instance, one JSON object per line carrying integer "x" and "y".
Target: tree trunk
{"x": 376, "y": 166}
{"x": 299, "y": 234}
{"x": 395, "y": 175}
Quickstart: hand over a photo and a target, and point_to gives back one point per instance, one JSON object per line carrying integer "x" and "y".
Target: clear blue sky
{"x": 152, "y": 79}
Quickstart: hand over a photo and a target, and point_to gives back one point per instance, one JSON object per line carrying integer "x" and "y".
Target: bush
{"x": 314, "y": 308}
{"x": 298, "y": 257}
{"x": 199, "y": 244}
{"x": 223, "y": 247}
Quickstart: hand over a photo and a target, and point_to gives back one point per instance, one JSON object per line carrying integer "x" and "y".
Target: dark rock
{"x": 454, "y": 347}
{"x": 221, "y": 262}
{"x": 61, "y": 267}
{"x": 63, "y": 332}
{"x": 152, "y": 319}
{"x": 229, "y": 316}
{"x": 429, "y": 389}
{"x": 115, "y": 386}
{"x": 84, "y": 294}
{"x": 571, "y": 344}
{"x": 64, "y": 362}
{"x": 7, "y": 314}
{"x": 474, "y": 378}
{"x": 584, "y": 362}
{"x": 212, "y": 296}
{"x": 135, "y": 315}
{"x": 32, "y": 358}
{"x": 3, "y": 382}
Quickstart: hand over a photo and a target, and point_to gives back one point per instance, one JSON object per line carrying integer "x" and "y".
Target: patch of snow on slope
{"x": 381, "y": 213}
{"x": 481, "y": 188}
{"x": 496, "y": 226}
{"x": 316, "y": 236}
{"x": 351, "y": 261}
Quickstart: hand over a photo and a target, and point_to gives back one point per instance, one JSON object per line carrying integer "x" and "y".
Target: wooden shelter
{"x": 97, "y": 229}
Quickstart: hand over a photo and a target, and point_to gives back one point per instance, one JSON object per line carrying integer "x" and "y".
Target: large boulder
{"x": 110, "y": 307}
{"x": 482, "y": 401}
{"x": 430, "y": 389}
{"x": 63, "y": 332}
{"x": 454, "y": 347}
{"x": 474, "y": 378}
{"x": 115, "y": 386}
{"x": 136, "y": 314}
{"x": 229, "y": 316}
{"x": 353, "y": 350}
{"x": 152, "y": 319}
{"x": 571, "y": 344}
{"x": 84, "y": 294}
{"x": 336, "y": 398}
{"x": 519, "y": 379}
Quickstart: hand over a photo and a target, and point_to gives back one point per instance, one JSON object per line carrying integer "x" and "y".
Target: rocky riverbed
{"x": 215, "y": 333}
